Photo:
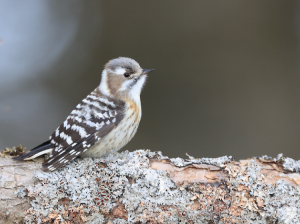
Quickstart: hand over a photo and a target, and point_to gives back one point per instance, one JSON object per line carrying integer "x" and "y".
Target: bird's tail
{"x": 44, "y": 148}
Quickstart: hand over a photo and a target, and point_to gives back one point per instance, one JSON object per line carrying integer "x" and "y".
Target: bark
{"x": 146, "y": 187}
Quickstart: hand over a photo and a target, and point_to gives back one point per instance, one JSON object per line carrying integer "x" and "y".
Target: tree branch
{"x": 146, "y": 187}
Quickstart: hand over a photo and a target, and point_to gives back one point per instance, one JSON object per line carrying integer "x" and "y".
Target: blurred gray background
{"x": 226, "y": 78}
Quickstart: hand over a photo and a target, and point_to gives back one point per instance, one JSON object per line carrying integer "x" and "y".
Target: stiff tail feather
{"x": 44, "y": 148}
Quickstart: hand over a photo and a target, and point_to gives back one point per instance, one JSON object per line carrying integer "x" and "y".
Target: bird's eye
{"x": 126, "y": 74}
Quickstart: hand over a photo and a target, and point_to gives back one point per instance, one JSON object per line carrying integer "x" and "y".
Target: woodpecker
{"x": 104, "y": 122}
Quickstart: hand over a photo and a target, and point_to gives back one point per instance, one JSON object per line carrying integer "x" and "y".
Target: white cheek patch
{"x": 125, "y": 85}
{"x": 120, "y": 71}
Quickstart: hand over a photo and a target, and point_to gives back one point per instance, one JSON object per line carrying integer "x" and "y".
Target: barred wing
{"x": 92, "y": 120}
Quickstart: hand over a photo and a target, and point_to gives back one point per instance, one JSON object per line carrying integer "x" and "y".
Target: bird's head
{"x": 123, "y": 78}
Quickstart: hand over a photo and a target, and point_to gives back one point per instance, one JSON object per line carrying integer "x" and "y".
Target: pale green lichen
{"x": 21, "y": 192}
{"x": 96, "y": 186}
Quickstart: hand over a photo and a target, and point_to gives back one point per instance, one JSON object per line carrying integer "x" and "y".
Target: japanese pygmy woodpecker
{"x": 104, "y": 122}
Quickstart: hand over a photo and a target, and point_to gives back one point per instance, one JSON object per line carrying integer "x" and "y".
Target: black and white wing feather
{"x": 92, "y": 119}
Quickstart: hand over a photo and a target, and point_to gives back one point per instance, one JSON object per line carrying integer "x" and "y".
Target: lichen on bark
{"x": 147, "y": 187}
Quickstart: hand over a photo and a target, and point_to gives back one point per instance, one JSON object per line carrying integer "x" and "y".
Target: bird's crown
{"x": 128, "y": 64}
{"x": 123, "y": 78}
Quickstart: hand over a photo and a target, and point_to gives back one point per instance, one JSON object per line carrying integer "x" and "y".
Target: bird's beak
{"x": 146, "y": 71}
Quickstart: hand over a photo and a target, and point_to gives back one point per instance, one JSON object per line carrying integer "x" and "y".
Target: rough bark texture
{"x": 146, "y": 187}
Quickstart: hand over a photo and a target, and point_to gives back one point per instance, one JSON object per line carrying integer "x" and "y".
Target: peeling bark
{"x": 146, "y": 187}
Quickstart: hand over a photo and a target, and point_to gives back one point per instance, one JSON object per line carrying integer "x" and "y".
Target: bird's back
{"x": 87, "y": 125}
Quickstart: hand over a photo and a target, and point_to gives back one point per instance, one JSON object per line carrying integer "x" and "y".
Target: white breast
{"x": 119, "y": 136}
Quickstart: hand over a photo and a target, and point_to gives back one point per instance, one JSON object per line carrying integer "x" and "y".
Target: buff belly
{"x": 117, "y": 138}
